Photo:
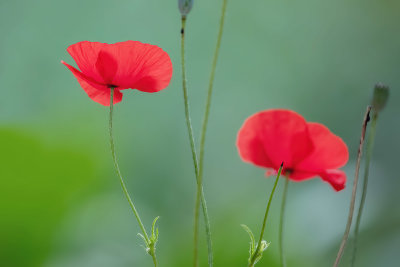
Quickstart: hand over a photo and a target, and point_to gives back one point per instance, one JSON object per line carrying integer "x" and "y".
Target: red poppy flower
{"x": 123, "y": 65}
{"x": 308, "y": 149}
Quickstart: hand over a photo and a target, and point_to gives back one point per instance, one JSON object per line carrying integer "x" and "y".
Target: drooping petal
{"x": 330, "y": 152}
{"x": 336, "y": 178}
{"x": 97, "y": 92}
{"x": 86, "y": 56}
{"x": 271, "y": 137}
{"x": 145, "y": 67}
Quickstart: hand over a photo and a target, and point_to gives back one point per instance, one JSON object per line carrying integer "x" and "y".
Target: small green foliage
{"x": 154, "y": 231}
{"x": 255, "y": 254}
{"x": 252, "y": 240}
{"x": 150, "y": 242}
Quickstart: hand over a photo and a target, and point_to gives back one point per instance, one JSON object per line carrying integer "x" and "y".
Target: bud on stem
{"x": 185, "y": 6}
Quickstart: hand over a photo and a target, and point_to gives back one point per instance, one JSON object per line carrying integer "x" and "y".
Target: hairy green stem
{"x": 195, "y": 163}
{"x": 354, "y": 191}
{"x": 186, "y": 98}
{"x": 124, "y": 189}
{"x": 370, "y": 144}
{"x": 254, "y": 257}
{"x": 283, "y": 207}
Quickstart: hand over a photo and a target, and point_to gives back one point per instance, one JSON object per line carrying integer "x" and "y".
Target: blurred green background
{"x": 60, "y": 201}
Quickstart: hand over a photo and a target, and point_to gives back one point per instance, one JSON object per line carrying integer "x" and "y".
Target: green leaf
{"x": 252, "y": 239}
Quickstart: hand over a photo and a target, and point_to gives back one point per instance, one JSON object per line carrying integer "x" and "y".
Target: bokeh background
{"x": 60, "y": 201}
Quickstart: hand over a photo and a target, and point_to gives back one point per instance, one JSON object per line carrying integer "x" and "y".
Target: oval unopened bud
{"x": 185, "y": 6}
{"x": 380, "y": 97}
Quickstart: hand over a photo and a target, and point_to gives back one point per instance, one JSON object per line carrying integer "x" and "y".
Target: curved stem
{"x": 195, "y": 162}
{"x": 370, "y": 145}
{"x": 210, "y": 88}
{"x": 124, "y": 189}
{"x": 191, "y": 138}
{"x": 253, "y": 258}
{"x": 283, "y": 207}
{"x": 185, "y": 97}
{"x": 353, "y": 195}
{"x": 200, "y": 193}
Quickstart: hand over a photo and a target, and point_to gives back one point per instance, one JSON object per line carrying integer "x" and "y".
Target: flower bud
{"x": 185, "y": 6}
{"x": 380, "y": 97}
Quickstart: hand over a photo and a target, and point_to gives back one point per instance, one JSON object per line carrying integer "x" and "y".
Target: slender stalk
{"x": 124, "y": 189}
{"x": 370, "y": 144}
{"x": 283, "y": 207}
{"x": 253, "y": 258}
{"x": 200, "y": 193}
{"x": 208, "y": 228}
{"x": 353, "y": 196}
{"x": 186, "y": 99}
{"x": 195, "y": 162}
{"x": 210, "y": 89}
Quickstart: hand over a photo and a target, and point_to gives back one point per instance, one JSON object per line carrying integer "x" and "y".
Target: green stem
{"x": 370, "y": 145}
{"x": 153, "y": 255}
{"x": 208, "y": 228}
{"x": 210, "y": 89}
{"x": 354, "y": 191}
{"x": 283, "y": 207}
{"x": 195, "y": 162}
{"x": 253, "y": 258}
{"x": 124, "y": 189}
{"x": 200, "y": 193}
{"x": 185, "y": 97}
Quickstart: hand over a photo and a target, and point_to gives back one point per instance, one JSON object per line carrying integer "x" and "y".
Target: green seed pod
{"x": 380, "y": 97}
{"x": 185, "y": 6}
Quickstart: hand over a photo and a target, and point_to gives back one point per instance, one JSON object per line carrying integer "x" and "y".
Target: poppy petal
{"x": 141, "y": 66}
{"x": 336, "y": 178}
{"x": 97, "y": 92}
{"x": 299, "y": 176}
{"x": 250, "y": 146}
{"x": 330, "y": 151}
{"x": 86, "y": 56}
{"x": 271, "y": 137}
{"x": 106, "y": 66}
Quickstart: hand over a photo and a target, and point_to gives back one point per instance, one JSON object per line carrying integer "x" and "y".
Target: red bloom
{"x": 124, "y": 65}
{"x": 307, "y": 149}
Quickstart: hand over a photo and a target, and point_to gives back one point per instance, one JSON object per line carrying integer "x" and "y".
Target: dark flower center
{"x": 288, "y": 171}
